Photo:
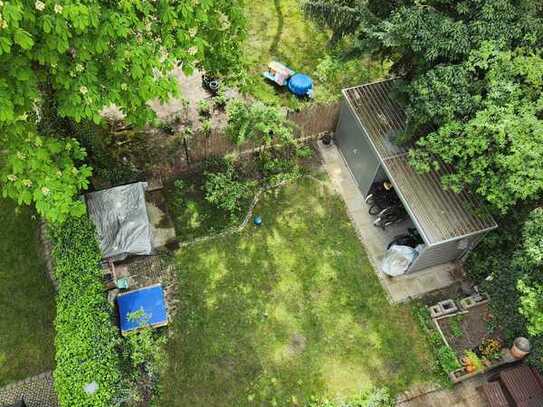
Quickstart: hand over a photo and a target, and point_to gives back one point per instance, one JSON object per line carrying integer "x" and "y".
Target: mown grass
{"x": 278, "y": 30}
{"x": 26, "y": 298}
{"x": 277, "y": 314}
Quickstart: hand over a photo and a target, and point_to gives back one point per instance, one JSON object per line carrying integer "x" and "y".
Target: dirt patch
{"x": 467, "y": 331}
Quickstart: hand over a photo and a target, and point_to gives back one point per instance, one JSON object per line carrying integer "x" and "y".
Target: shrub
{"x": 226, "y": 191}
{"x": 86, "y": 341}
{"x": 257, "y": 121}
{"x": 204, "y": 108}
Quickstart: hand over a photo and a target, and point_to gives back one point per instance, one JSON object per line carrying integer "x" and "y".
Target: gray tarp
{"x": 121, "y": 220}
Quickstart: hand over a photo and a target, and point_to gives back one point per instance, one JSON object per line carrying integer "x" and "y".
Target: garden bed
{"x": 468, "y": 329}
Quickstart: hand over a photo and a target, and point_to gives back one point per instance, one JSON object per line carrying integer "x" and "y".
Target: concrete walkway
{"x": 375, "y": 240}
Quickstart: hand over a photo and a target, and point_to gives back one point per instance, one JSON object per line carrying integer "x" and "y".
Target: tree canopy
{"x": 84, "y": 56}
{"x": 473, "y": 72}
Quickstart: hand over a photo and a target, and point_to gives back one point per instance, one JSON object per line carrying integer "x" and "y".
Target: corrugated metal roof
{"x": 439, "y": 214}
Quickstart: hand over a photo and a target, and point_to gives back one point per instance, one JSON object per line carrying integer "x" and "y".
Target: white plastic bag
{"x": 398, "y": 259}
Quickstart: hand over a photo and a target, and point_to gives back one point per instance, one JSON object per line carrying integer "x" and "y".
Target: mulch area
{"x": 474, "y": 325}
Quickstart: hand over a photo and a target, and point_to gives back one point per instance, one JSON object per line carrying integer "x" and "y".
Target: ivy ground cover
{"x": 26, "y": 298}
{"x": 289, "y": 310}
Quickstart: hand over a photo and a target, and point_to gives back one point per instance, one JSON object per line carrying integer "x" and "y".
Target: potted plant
{"x": 471, "y": 362}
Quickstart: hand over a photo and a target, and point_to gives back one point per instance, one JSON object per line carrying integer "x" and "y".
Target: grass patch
{"x": 277, "y": 314}
{"x": 193, "y": 216}
{"x": 26, "y": 298}
{"x": 279, "y": 31}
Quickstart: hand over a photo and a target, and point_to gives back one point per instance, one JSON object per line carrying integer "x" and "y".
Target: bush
{"x": 226, "y": 191}
{"x": 86, "y": 341}
{"x": 257, "y": 121}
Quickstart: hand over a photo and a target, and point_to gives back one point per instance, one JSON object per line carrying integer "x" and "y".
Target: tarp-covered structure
{"x": 122, "y": 223}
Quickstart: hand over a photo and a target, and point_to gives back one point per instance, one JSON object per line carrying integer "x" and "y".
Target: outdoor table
{"x": 523, "y": 386}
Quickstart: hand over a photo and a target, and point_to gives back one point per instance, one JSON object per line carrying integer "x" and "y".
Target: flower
{"x": 3, "y": 23}
{"x": 12, "y": 177}
{"x": 124, "y": 86}
{"x": 193, "y": 50}
{"x": 83, "y": 90}
{"x": 79, "y": 68}
{"x": 58, "y": 8}
{"x": 45, "y": 191}
{"x": 27, "y": 183}
{"x": 193, "y": 31}
{"x": 40, "y": 5}
{"x": 20, "y": 155}
{"x": 224, "y": 21}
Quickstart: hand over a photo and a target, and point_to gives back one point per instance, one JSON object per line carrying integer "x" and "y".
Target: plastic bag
{"x": 398, "y": 259}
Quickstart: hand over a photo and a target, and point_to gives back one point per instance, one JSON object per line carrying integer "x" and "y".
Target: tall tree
{"x": 83, "y": 56}
{"x": 471, "y": 70}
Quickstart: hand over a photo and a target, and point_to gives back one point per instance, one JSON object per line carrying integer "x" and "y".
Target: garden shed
{"x": 450, "y": 223}
{"x": 121, "y": 219}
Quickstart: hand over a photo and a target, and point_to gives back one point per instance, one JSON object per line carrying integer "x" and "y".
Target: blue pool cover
{"x": 150, "y": 300}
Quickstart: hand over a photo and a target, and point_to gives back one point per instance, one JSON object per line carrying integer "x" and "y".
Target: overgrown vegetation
{"x": 445, "y": 360}
{"x": 86, "y": 343}
{"x": 507, "y": 265}
{"x": 279, "y": 31}
{"x": 26, "y": 298}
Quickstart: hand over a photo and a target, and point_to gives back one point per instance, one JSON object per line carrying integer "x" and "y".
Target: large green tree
{"x": 472, "y": 73}
{"x": 82, "y": 56}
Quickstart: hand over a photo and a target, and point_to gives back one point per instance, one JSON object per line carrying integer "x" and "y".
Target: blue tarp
{"x": 150, "y": 300}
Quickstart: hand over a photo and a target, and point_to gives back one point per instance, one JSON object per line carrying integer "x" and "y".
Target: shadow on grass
{"x": 277, "y": 314}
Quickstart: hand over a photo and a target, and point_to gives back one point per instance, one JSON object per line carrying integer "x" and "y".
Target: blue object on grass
{"x": 300, "y": 85}
{"x": 150, "y": 300}
{"x": 257, "y": 220}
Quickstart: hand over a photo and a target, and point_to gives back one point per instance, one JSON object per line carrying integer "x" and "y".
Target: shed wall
{"x": 443, "y": 253}
{"x": 353, "y": 144}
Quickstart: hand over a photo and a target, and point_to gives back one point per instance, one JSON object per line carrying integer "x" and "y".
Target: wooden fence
{"x": 312, "y": 121}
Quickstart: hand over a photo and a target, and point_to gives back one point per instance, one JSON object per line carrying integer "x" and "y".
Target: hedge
{"x": 86, "y": 341}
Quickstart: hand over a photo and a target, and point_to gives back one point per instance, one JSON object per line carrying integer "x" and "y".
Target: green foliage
{"x": 532, "y": 238}
{"x": 473, "y": 85}
{"x": 204, "y": 108}
{"x": 143, "y": 350}
{"x": 226, "y": 191}
{"x": 374, "y": 397}
{"x": 257, "y": 122}
{"x": 454, "y": 325}
{"x": 86, "y": 341}
{"x": 84, "y": 56}
{"x": 446, "y": 360}
{"x": 44, "y": 171}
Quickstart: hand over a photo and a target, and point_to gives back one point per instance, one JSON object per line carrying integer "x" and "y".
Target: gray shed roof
{"x": 440, "y": 214}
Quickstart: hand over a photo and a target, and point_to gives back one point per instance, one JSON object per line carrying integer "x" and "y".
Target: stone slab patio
{"x": 399, "y": 289}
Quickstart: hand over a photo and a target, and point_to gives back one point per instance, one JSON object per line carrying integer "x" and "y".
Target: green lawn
{"x": 26, "y": 298}
{"x": 278, "y": 30}
{"x": 276, "y": 314}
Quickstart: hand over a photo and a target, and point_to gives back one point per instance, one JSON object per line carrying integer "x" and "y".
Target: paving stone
{"x": 37, "y": 391}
